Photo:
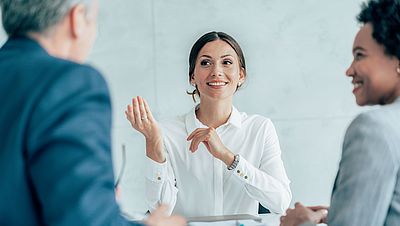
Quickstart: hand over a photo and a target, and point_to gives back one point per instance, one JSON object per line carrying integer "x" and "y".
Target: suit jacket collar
{"x": 23, "y": 43}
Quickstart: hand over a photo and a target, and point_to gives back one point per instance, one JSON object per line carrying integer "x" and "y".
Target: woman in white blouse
{"x": 214, "y": 160}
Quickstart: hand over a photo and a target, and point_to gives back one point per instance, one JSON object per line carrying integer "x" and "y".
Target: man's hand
{"x": 160, "y": 218}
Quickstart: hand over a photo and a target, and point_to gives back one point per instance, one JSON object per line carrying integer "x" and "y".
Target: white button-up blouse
{"x": 197, "y": 184}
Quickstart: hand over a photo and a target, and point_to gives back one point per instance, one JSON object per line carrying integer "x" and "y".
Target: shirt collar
{"x": 192, "y": 123}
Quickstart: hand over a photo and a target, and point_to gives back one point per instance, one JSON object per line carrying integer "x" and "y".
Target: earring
{"x": 239, "y": 84}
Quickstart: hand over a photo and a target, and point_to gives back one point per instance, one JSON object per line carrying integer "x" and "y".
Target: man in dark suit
{"x": 55, "y": 119}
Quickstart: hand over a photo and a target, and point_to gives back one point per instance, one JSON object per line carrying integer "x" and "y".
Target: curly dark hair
{"x": 384, "y": 16}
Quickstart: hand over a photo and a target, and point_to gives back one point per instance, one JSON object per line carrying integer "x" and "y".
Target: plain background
{"x": 296, "y": 55}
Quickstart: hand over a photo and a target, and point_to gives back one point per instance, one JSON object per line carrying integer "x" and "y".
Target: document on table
{"x": 226, "y": 220}
{"x": 228, "y": 223}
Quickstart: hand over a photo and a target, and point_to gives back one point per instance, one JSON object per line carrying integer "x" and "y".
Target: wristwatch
{"x": 234, "y": 163}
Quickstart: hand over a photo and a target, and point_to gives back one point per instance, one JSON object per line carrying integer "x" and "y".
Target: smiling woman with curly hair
{"x": 367, "y": 186}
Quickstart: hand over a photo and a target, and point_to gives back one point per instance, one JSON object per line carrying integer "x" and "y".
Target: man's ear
{"x": 77, "y": 17}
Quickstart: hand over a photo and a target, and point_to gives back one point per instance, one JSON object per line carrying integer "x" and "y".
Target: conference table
{"x": 229, "y": 220}
{"x": 270, "y": 219}
{"x": 266, "y": 220}
{"x": 236, "y": 220}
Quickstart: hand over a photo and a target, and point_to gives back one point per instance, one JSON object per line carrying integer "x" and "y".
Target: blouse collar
{"x": 192, "y": 123}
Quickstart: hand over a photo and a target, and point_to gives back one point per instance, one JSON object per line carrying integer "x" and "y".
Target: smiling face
{"x": 217, "y": 71}
{"x": 374, "y": 74}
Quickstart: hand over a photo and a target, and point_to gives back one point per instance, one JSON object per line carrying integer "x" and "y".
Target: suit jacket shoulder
{"x": 367, "y": 185}
{"x": 379, "y": 126}
{"x": 56, "y": 140}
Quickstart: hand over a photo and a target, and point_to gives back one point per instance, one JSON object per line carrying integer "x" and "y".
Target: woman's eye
{"x": 228, "y": 62}
{"x": 205, "y": 62}
{"x": 358, "y": 56}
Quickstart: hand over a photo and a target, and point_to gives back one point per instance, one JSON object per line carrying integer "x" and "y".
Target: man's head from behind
{"x": 69, "y": 25}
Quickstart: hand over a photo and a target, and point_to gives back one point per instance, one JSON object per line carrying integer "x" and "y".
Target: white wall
{"x": 296, "y": 53}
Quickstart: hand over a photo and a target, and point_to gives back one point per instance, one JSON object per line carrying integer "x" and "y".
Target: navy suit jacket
{"x": 55, "y": 122}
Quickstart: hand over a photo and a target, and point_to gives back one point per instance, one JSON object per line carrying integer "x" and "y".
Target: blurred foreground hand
{"x": 302, "y": 214}
{"x": 159, "y": 217}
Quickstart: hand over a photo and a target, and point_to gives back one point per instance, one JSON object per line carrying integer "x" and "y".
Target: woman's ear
{"x": 242, "y": 75}
{"x": 192, "y": 80}
{"x": 398, "y": 68}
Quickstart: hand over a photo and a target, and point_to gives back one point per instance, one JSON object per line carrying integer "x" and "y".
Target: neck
{"x": 214, "y": 113}
{"x": 391, "y": 97}
{"x": 54, "y": 44}
{"x": 394, "y": 97}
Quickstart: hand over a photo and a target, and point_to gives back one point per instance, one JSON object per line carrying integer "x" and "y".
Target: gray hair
{"x": 20, "y": 17}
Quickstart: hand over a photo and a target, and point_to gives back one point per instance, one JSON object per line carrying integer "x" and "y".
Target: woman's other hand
{"x": 210, "y": 138}
{"x": 301, "y": 214}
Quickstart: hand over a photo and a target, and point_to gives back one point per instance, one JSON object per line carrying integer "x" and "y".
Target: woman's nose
{"x": 217, "y": 70}
{"x": 350, "y": 70}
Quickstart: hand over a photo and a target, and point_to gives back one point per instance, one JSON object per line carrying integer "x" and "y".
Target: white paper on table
{"x": 228, "y": 223}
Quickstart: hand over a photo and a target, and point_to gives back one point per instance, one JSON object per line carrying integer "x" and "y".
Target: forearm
{"x": 160, "y": 193}
{"x": 155, "y": 149}
{"x": 227, "y": 157}
{"x": 271, "y": 191}
{"x": 160, "y": 185}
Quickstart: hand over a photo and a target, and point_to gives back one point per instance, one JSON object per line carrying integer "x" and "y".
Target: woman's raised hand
{"x": 142, "y": 120}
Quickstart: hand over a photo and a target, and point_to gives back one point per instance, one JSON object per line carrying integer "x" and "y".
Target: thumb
{"x": 320, "y": 215}
{"x": 156, "y": 216}
{"x": 161, "y": 210}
